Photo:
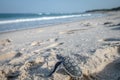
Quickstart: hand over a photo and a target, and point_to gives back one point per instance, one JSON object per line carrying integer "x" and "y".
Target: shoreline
{"x": 53, "y": 24}
{"x": 94, "y": 44}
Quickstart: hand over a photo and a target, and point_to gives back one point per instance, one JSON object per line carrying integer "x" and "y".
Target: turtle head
{"x": 59, "y": 57}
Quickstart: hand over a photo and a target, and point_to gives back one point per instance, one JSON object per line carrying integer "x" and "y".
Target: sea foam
{"x": 41, "y": 18}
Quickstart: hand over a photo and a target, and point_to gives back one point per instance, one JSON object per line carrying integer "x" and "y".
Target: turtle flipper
{"x": 56, "y": 66}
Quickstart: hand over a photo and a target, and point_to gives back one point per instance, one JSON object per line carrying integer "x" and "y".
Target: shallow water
{"x": 12, "y": 22}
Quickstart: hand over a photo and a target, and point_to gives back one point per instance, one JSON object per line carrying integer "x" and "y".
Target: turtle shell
{"x": 72, "y": 67}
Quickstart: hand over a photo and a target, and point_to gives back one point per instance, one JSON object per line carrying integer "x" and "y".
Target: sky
{"x": 54, "y": 6}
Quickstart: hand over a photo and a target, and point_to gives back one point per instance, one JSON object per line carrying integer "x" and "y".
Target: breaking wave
{"x": 41, "y": 18}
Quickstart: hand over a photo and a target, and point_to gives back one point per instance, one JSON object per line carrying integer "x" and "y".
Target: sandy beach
{"x": 94, "y": 44}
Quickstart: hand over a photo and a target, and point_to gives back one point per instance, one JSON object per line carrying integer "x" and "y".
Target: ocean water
{"x": 12, "y": 22}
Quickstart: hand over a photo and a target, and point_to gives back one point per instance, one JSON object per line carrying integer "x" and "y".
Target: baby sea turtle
{"x": 69, "y": 65}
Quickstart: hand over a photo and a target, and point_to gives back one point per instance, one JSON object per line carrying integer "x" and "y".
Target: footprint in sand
{"x": 87, "y": 24}
{"x": 116, "y": 28}
{"x": 107, "y": 23}
{"x": 49, "y": 46}
{"x": 111, "y": 39}
{"x": 32, "y": 66}
{"x": 5, "y": 42}
{"x": 113, "y": 24}
{"x": 10, "y": 56}
{"x": 18, "y": 54}
{"x": 7, "y": 56}
{"x": 53, "y": 40}
{"x": 12, "y": 75}
{"x": 110, "y": 71}
{"x": 36, "y": 43}
{"x": 71, "y": 31}
{"x": 118, "y": 24}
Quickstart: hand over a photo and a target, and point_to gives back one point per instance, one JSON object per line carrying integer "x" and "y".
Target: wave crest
{"x": 42, "y": 18}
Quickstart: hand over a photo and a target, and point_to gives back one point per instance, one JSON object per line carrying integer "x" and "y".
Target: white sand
{"x": 94, "y": 43}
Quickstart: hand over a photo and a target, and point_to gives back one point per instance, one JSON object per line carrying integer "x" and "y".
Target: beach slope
{"x": 94, "y": 44}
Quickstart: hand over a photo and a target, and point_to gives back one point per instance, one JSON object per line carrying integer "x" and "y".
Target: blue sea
{"x": 12, "y": 21}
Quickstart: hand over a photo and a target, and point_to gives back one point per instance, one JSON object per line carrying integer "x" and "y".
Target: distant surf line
{"x": 41, "y": 18}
